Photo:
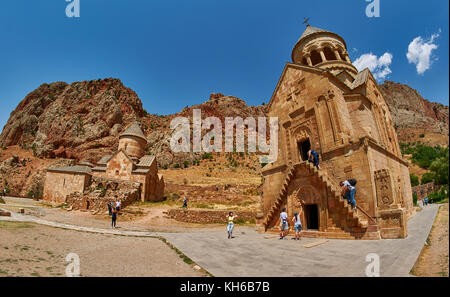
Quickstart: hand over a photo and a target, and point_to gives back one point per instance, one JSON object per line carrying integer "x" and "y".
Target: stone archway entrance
{"x": 307, "y": 203}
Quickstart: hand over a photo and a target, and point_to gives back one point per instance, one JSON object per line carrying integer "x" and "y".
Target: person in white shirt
{"x": 348, "y": 191}
{"x": 297, "y": 225}
{"x": 118, "y": 205}
{"x": 284, "y": 223}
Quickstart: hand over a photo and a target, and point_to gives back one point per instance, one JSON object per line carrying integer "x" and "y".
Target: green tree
{"x": 427, "y": 178}
{"x": 414, "y": 180}
{"x": 440, "y": 169}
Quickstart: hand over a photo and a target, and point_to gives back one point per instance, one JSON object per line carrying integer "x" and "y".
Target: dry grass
{"x": 434, "y": 258}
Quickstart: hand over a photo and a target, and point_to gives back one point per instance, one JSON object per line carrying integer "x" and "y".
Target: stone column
{"x": 308, "y": 59}
{"x": 347, "y": 58}
{"x": 322, "y": 55}
{"x": 336, "y": 52}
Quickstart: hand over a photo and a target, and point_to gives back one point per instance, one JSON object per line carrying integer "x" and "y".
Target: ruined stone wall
{"x": 58, "y": 185}
{"x": 423, "y": 191}
{"x": 141, "y": 178}
{"x": 104, "y": 190}
{"x": 209, "y": 216}
{"x": 159, "y": 191}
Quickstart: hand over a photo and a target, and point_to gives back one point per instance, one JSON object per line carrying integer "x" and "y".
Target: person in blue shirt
{"x": 313, "y": 157}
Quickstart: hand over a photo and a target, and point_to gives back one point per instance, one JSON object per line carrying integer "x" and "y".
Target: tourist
{"x": 423, "y": 201}
{"x": 431, "y": 200}
{"x": 349, "y": 191}
{"x": 185, "y": 202}
{"x": 118, "y": 205}
{"x": 313, "y": 157}
{"x": 113, "y": 217}
{"x": 297, "y": 225}
{"x": 284, "y": 224}
{"x": 110, "y": 206}
{"x": 426, "y": 200}
{"x": 230, "y": 225}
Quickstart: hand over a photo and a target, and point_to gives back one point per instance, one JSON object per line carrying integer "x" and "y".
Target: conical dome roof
{"x": 311, "y": 30}
{"x": 134, "y": 130}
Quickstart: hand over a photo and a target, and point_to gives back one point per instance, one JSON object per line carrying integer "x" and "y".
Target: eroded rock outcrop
{"x": 72, "y": 121}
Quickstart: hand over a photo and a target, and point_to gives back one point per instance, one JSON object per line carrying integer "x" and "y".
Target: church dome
{"x": 133, "y": 141}
{"x": 323, "y": 49}
{"x": 133, "y": 130}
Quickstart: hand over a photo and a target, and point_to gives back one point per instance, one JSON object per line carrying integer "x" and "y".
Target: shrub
{"x": 440, "y": 168}
{"x": 427, "y": 178}
{"x": 423, "y": 155}
{"x": 207, "y": 156}
{"x": 422, "y": 135}
{"x": 414, "y": 180}
{"x": 186, "y": 163}
{"x": 415, "y": 199}
{"x": 103, "y": 194}
{"x": 440, "y": 196}
{"x": 176, "y": 165}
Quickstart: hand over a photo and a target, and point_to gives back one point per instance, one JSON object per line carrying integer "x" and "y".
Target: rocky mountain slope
{"x": 414, "y": 117}
{"x": 72, "y": 121}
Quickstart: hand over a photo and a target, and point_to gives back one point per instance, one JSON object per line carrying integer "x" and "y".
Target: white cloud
{"x": 419, "y": 52}
{"x": 378, "y": 66}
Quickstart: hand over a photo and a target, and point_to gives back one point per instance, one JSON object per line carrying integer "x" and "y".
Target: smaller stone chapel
{"x": 128, "y": 166}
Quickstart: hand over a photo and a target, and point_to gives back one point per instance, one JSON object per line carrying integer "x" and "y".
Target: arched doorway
{"x": 307, "y": 203}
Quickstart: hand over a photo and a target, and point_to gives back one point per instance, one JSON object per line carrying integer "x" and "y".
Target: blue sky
{"x": 175, "y": 53}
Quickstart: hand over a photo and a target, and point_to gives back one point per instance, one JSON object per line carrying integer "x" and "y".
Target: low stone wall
{"x": 209, "y": 216}
{"x": 104, "y": 190}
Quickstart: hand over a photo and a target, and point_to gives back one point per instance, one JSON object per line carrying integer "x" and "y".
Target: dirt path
{"x": 132, "y": 218}
{"x": 34, "y": 250}
{"x": 434, "y": 261}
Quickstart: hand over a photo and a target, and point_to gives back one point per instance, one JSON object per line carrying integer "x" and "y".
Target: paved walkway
{"x": 251, "y": 254}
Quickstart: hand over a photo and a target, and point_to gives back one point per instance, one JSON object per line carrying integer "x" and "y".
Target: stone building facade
{"x": 322, "y": 102}
{"x": 127, "y": 164}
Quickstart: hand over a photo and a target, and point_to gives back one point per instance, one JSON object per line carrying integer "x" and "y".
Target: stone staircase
{"x": 343, "y": 222}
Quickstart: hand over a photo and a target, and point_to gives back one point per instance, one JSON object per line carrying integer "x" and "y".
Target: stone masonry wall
{"x": 104, "y": 190}
{"x": 209, "y": 216}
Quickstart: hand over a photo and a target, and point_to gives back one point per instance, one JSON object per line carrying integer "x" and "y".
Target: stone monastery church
{"x": 129, "y": 173}
{"x": 324, "y": 103}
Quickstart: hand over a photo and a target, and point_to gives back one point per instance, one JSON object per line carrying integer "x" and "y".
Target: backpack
{"x": 352, "y": 181}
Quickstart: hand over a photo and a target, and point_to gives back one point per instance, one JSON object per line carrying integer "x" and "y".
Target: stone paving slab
{"x": 251, "y": 254}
